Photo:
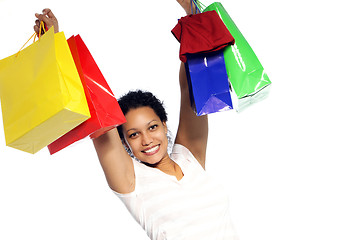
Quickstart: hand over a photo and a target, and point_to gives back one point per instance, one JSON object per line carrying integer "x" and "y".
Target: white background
{"x": 290, "y": 163}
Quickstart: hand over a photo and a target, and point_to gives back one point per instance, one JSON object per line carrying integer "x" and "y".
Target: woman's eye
{"x": 153, "y": 127}
{"x": 133, "y": 135}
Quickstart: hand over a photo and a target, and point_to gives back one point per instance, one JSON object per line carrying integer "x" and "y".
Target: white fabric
{"x": 194, "y": 208}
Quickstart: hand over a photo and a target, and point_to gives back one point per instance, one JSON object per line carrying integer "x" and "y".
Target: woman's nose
{"x": 146, "y": 139}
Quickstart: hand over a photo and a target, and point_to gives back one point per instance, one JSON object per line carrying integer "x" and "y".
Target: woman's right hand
{"x": 185, "y": 4}
{"x": 48, "y": 18}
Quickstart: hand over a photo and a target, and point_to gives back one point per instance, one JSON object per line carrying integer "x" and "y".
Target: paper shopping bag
{"x": 246, "y": 74}
{"x": 208, "y": 83}
{"x": 104, "y": 108}
{"x": 42, "y": 97}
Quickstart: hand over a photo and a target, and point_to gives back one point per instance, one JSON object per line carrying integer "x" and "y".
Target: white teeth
{"x": 152, "y": 149}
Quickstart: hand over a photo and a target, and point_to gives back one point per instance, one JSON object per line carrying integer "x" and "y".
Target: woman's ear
{"x": 125, "y": 143}
{"x": 165, "y": 127}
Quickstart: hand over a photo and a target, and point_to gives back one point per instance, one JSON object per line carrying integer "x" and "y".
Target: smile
{"x": 151, "y": 151}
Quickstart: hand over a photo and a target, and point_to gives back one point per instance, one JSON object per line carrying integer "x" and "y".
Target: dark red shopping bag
{"x": 104, "y": 108}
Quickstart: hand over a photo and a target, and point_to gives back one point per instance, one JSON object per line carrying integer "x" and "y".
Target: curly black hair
{"x": 137, "y": 99}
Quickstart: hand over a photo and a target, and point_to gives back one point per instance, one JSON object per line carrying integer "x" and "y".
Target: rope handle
{"x": 199, "y": 7}
{"x": 42, "y": 28}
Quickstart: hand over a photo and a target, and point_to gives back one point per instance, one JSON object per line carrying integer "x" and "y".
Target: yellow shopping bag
{"x": 42, "y": 97}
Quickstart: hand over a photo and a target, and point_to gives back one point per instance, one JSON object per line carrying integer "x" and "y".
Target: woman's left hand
{"x": 48, "y": 18}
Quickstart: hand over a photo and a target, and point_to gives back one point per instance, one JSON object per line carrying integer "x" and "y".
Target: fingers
{"x": 37, "y": 26}
{"x": 49, "y": 13}
{"x": 48, "y": 18}
{"x": 43, "y": 18}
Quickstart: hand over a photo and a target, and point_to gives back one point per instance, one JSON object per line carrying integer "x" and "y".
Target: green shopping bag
{"x": 246, "y": 74}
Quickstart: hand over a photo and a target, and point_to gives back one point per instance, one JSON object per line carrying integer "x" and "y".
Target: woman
{"x": 170, "y": 196}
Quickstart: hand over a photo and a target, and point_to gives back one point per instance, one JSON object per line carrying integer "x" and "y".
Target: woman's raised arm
{"x": 193, "y": 130}
{"x": 115, "y": 161}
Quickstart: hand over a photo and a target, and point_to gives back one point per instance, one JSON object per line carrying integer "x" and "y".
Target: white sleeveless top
{"x": 194, "y": 208}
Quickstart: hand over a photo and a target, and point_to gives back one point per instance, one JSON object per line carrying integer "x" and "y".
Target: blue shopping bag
{"x": 208, "y": 82}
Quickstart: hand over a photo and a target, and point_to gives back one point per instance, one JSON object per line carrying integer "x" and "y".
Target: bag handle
{"x": 199, "y": 7}
{"x": 42, "y": 27}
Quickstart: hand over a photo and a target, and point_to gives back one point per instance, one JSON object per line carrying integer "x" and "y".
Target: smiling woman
{"x": 173, "y": 197}
{"x": 170, "y": 196}
{"x": 145, "y": 134}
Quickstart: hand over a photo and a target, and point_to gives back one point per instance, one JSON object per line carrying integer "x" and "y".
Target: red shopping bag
{"x": 104, "y": 108}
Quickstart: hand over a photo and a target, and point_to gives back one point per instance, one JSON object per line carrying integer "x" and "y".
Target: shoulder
{"x": 179, "y": 150}
{"x": 181, "y": 154}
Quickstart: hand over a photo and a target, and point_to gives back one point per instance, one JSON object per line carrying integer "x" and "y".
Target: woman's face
{"x": 146, "y": 135}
